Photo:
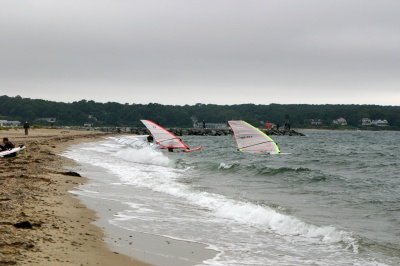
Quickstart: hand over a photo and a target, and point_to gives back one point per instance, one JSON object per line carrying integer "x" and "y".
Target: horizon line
{"x": 194, "y": 104}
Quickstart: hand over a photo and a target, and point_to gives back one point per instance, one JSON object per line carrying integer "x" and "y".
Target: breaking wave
{"x": 154, "y": 170}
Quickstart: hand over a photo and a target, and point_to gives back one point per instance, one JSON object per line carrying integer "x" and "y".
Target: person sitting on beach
{"x": 8, "y": 145}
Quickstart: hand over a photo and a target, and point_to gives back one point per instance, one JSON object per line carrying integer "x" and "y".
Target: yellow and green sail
{"x": 251, "y": 139}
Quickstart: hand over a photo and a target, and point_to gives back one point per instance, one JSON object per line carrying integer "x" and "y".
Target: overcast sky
{"x": 208, "y": 51}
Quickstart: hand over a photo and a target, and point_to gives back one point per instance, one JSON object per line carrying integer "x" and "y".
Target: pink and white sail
{"x": 163, "y": 137}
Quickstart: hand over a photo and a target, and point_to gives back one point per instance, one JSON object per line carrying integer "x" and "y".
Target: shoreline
{"x": 41, "y": 222}
{"x": 154, "y": 249}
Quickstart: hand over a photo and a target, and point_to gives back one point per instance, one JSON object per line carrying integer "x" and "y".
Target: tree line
{"x": 117, "y": 114}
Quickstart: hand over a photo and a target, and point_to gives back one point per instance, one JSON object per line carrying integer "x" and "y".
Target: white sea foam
{"x": 156, "y": 174}
{"x": 145, "y": 155}
{"x": 133, "y": 149}
{"x": 183, "y": 204}
{"x": 226, "y": 165}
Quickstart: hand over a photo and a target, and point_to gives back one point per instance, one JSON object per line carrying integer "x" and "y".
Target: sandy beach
{"x": 41, "y": 223}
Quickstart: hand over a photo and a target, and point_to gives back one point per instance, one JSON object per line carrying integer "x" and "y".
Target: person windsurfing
{"x": 167, "y": 140}
{"x": 150, "y": 138}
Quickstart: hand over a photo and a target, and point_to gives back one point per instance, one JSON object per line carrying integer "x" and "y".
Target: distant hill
{"x": 116, "y": 114}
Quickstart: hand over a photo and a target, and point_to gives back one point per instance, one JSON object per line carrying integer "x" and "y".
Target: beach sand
{"x": 57, "y": 229}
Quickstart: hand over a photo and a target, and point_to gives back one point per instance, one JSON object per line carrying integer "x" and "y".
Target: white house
{"x": 366, "y": 122}
{"x": 211, "y": 125}
{"x": 6, "y": 123}
{"x": 316, "y": 122}
{"x": 340, "y": 121}
{"x": 376, "y": 122}
{"x": 47, "y": 119}
{"x": 380, "y": 123}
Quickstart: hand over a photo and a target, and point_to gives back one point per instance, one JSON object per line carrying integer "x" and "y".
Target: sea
{"x": 333, "y": 198}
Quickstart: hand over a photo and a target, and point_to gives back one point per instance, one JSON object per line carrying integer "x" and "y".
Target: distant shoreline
{"x": 97, "y": 114}
{"x": 351, "y": 128}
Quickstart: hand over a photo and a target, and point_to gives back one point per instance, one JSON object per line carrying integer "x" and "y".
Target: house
{"x": 366, "y": 122}
{"x": 315, "y": 122}
{"x": 380, "y": 123}
{"x": 211, "y": 125}
{"x": 6, "y": 123}
{"x": 376, "y": 122}
{"x": 87, "y": 124}
{"x": 47, "y": 119}
{"x": 340, "y": 121}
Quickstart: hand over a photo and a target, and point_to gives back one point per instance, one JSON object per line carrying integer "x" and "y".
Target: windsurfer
{"x": 165, "y": 139}
{"x": 150, "y": 138}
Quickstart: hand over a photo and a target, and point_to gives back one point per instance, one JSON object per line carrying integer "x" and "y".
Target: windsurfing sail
{"x": 166, "y": 139}
{"x": 251, "y": 139}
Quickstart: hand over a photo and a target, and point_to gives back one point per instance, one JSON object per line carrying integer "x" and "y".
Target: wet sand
{"x": 152, "y": 248}
{"x": 41, "y": 223}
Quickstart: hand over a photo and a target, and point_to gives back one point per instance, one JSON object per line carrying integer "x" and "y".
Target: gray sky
{"x": 209, "y": 51}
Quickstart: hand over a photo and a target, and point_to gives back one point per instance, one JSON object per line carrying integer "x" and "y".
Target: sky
{"x": 202, "y": 51}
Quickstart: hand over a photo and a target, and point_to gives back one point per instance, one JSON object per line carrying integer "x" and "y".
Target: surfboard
{"x": 7, "y": 152}
{"x": 198, "y": 148}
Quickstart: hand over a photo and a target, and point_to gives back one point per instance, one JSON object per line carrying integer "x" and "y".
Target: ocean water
{"x": 334, "y": 200}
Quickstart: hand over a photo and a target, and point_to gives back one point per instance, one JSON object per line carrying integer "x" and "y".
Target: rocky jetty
{"x": 189, "y": 131}
{"x": 276, "y": 132}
